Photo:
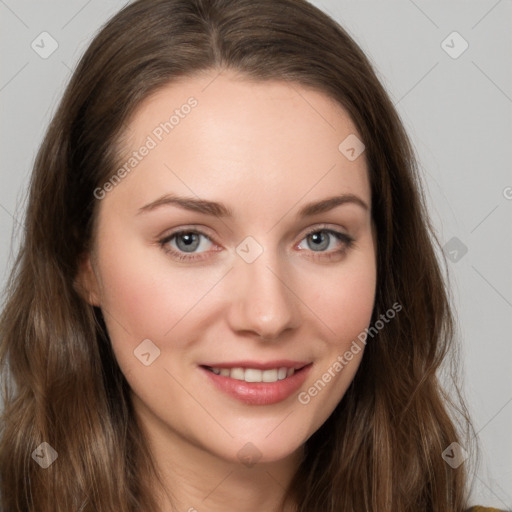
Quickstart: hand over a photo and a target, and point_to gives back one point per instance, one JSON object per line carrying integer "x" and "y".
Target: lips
{"x": 258, "y": 393}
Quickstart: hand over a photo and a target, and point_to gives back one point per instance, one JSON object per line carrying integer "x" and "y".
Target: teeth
{"x": 268, "y": 375}
{"x": 237, "y": 373}
{"x": 254, "y": 375}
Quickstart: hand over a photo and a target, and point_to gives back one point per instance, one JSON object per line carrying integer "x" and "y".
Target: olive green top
{"x": 484, "y": 509}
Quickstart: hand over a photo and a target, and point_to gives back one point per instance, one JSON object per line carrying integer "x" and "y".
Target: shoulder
{"x": 483, "y": 509}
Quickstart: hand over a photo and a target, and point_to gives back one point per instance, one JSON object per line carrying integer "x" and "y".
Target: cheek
{"x": 345, "y": 303}
{"x": 345, "y": 306}
{"x": 140, "y": 299}
{"x": 137, "y": 296}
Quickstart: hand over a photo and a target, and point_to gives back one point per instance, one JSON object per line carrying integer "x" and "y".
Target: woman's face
{"x": 259, "y": 279}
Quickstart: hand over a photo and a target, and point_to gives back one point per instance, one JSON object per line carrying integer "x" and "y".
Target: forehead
{"x": 214, "y": 134}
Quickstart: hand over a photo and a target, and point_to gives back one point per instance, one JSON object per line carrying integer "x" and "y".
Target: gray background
{"x": 456, "y": 110}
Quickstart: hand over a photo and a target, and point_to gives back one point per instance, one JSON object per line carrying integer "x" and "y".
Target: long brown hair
{"x": 381, "y": 449}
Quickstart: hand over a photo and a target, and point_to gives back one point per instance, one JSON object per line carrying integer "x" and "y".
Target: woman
{"x": 227, "y": 297}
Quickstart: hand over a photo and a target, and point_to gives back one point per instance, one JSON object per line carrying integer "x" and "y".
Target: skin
{"x": 264, "y": 149}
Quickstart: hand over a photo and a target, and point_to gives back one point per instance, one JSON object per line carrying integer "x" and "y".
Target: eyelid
{"x": 326, "y": 227}
{"x": 192, "y": 227}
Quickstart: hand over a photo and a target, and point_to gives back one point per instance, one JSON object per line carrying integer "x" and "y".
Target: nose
{"x": 263, "y": 298}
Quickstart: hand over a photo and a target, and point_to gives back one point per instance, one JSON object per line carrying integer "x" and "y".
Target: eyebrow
{"x": 220, "y": 210}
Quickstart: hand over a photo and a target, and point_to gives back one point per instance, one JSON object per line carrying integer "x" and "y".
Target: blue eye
{"x": 186, "y": 242}
{"x": 321, "y": 238}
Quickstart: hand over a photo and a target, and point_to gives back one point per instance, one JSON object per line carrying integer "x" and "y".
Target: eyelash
{"x": 347, "y": 240}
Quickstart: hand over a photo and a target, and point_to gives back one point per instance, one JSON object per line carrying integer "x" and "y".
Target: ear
{"x": 86, "y": 282}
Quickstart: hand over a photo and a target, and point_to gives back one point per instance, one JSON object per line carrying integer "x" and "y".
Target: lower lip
{"x": 259, "y": 393}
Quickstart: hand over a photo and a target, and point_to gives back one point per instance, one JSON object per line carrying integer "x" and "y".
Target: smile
{"x": 254, "y": 386}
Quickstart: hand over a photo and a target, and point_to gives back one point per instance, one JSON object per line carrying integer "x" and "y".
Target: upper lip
{"x": 287, "y": 363}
